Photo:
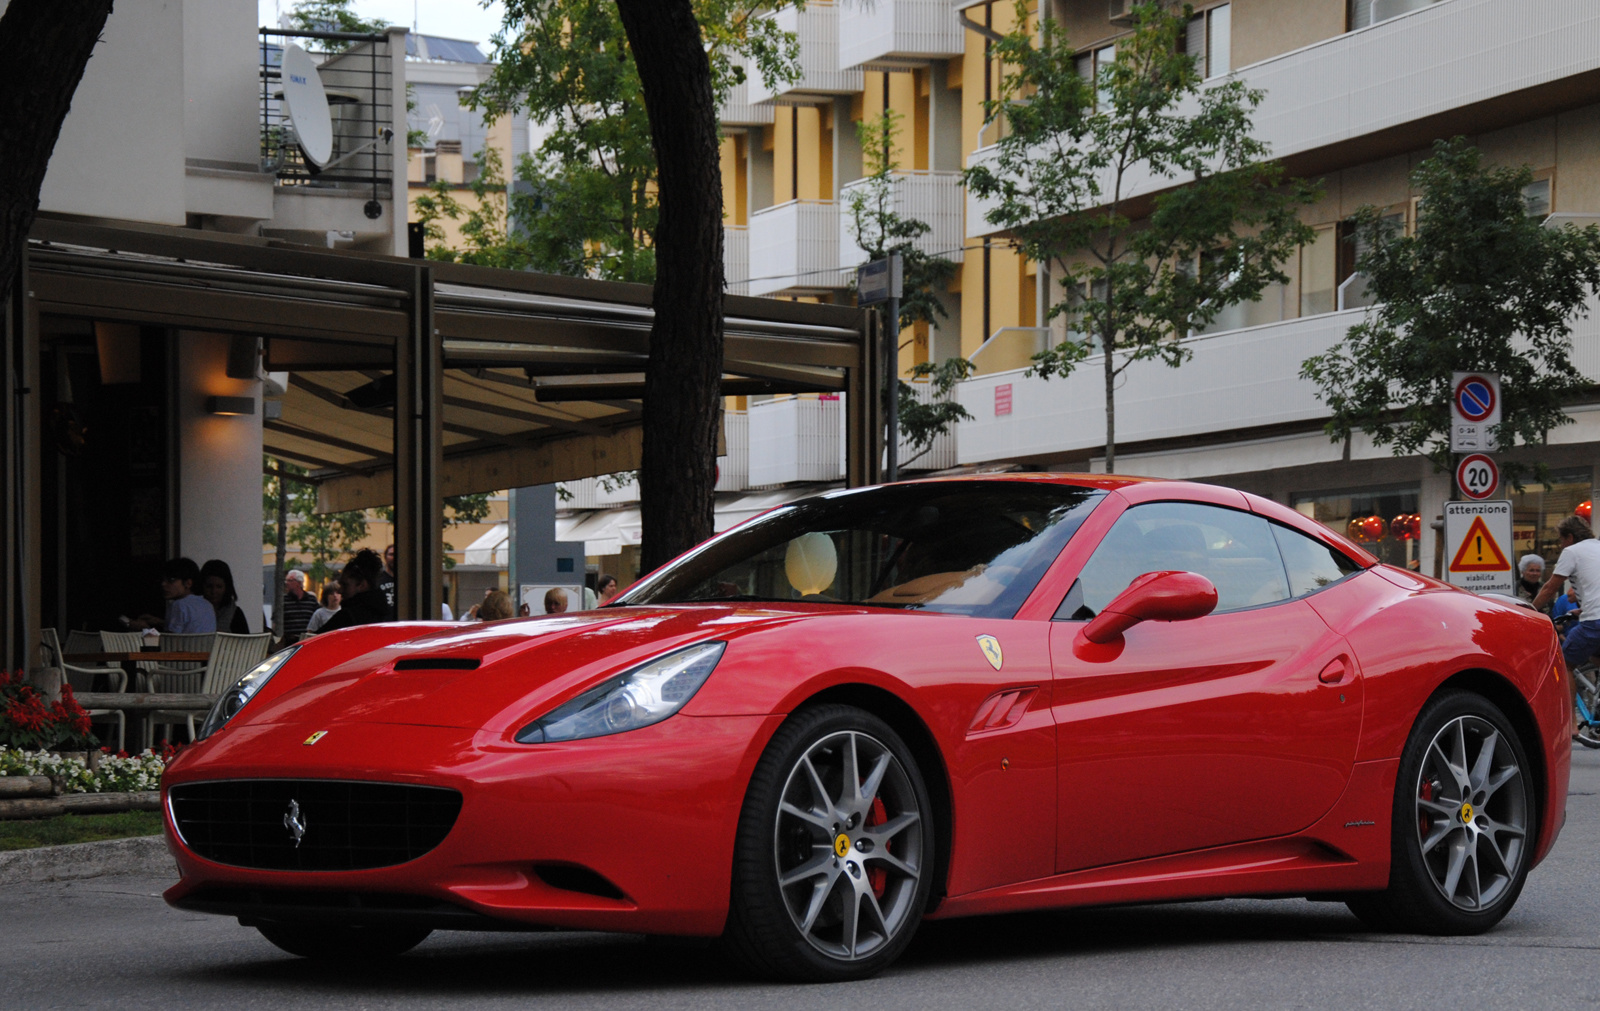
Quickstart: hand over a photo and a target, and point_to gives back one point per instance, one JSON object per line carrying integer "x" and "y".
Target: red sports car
{"x": 932, "y": 699}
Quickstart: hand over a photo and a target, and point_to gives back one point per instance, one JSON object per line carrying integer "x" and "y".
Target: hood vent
{"x": 437, "y": 663}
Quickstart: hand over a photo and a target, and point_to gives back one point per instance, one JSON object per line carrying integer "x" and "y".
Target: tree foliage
{"x": 333, "y": 16}
{"x": 1139, "y": 273}
{"x": 324, "y": 537}
{"x": 1480, "y": 286}
{"x": 567, "y": 63}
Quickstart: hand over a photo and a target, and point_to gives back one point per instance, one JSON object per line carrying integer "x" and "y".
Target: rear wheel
{"x": 345, "y": 943}
{"x": 1463, "y": 823}
{"x": 835, "y": 849}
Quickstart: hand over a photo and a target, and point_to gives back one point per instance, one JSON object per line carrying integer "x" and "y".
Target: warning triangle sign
{"x": 1479, "y": 552}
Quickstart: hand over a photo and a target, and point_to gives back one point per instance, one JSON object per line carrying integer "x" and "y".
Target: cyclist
{"x": 1579, "y": 562}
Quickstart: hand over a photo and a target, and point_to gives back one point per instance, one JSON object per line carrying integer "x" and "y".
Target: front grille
{"x": 343, "y": 826}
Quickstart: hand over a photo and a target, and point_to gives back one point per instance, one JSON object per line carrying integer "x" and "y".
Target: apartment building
{"x": 1356, "y": 92}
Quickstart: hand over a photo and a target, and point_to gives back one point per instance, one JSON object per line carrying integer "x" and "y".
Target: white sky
{"x": 454, "y": 19}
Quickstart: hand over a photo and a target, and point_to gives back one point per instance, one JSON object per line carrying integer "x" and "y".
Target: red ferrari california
{"x": 864, "y": 709}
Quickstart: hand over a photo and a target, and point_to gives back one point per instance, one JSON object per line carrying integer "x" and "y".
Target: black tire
{"x": 765, "y": 929}
{"x": 344, "y": 943}
{"x": 1426, "y": 838}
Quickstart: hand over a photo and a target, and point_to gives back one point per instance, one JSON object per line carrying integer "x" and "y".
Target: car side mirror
{"x": 1154, "y": 596}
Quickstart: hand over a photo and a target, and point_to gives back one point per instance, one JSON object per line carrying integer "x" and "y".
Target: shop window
{"x": 1536, "y": 512}
{"x": 1385, "y": 522}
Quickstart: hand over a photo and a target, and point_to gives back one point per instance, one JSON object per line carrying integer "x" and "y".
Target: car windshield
{"x": 975, "y": 548}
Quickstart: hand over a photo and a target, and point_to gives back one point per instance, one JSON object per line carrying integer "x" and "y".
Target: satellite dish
{"x": 306, "y": 104}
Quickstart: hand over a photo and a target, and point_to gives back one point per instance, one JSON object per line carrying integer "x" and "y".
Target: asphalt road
{"x": 112, "y": 943}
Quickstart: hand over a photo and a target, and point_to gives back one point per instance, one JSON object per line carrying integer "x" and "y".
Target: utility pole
{"x": 877, "y": 282}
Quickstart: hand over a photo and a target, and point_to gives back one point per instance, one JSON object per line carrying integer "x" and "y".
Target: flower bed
{"x": 117, "y": 773}
{"x": 28, "y": 721}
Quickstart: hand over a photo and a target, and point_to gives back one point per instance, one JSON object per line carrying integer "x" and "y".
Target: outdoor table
{"x": 139, "y": 656}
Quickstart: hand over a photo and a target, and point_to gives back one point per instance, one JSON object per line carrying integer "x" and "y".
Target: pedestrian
{"x": 386, "y": 581}
{"x": 331, "y": 598}
{"x": 1579, "y": 562}
{"x": 298, "y": 606}
{"x": 186, "y": 612}
{"x": 555, "y": 600}
{"x": 1530, "y": 573}
{"x": 606, "y": 586}
{"x": 216, "y": 585}
{"x": 495, "y": 606}
{"x": 445, "y": 614}
{"x": 362, "y": 602}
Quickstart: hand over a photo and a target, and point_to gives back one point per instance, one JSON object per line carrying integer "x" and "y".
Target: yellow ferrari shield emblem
{"x": 841, "y": 845}
{"x": 314, "y": 738}
{"x": 991, "y": 650}
{"x": 1466, "y": 813}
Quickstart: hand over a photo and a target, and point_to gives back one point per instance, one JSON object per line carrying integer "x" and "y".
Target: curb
{"x": 136, "y": 855}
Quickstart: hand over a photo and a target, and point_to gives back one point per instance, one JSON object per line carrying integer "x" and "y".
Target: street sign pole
{"x": 880, "y": 281}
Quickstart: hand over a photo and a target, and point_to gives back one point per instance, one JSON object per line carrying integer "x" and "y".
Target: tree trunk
{"x": 1111, "y": 406}
{"x": 682, "y": 379}
{"x": 47, "y": 44}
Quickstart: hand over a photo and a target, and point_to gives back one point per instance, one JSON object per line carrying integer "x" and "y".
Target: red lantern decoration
{"x": 1584, "y": 509}
{"x": 1366, "y": 529}
{"x": 1406, "y": 527}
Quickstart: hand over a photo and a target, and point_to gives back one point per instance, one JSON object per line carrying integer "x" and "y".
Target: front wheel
{"x": 1463, "y": 823}
{"x": 834, "y": 856}
{"x": 353, "y": 943}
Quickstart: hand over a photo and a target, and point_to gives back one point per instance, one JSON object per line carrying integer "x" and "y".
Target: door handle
{"x": 1334, "y": 672}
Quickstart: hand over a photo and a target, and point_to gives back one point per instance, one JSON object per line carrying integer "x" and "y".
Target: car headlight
{"x": 635, "y": 698}
{"x": 243, "y": 690}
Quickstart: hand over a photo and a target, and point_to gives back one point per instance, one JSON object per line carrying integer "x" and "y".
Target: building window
{"x": 1090, "y": 64}
{"x": 1208, "y": 39}
{"x": 1385, "y": 522}
{"x": 1537, "y": 196}
{"x": 1352, "y": 290}
{"x": 1319, "y": 269}
{"x": 1370, "y": 12}
{"x": 1536, "y": 512}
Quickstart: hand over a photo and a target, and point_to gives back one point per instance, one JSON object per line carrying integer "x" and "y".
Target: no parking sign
{"x": 1474, "y": 411}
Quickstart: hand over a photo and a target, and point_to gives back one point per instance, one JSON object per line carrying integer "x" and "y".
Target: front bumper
{"x": 632, "y": 832}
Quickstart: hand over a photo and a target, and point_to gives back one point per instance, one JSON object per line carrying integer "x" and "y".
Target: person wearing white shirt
{"x": 1579, "y": 563}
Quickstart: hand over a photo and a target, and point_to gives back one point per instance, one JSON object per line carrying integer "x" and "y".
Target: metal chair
{"x": 181, "y": 675}
{"x": 232, "y": 657}
{"x": 82, "y": 680}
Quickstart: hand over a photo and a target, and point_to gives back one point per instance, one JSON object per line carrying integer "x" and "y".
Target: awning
{"x": 491, "y": 548}
{"x": 603, "y": 531}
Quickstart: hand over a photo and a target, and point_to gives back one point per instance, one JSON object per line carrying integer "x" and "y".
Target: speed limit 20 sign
{"x": 1477, "y": 477}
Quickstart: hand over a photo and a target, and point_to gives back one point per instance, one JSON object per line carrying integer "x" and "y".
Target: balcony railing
{"x": 733, "y": 467}
{"x": 797, "y": 439}
{"x": 817, "y": 28}
{"x": 737, "y": 109}
{"x": 1443, "y": 57}
{"x": 794, "y": 246}
{"x": 895, "y": 34}
{"x": 357, "y": 77}
{"x": 941, "y": 453}
{"x": 736, "y": 259}
{"x": 930, "y": 197}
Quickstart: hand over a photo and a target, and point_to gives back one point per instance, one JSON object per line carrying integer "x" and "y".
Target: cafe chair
{"x": 129, "y": 642}
{"x": 180, "y": 675}
{"x": 232, "y": 657}
{"x": 82, "y": 679}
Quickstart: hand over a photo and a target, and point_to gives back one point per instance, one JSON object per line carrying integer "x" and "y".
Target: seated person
{"x": 555, "y": 601}
{"x": 187, "y": 613}
{"x": 496, "y": 606}
{"x": 364, "y": 602}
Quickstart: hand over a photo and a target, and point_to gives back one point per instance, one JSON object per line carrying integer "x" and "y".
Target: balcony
{"x": 737, "y": 109}
{"x": 797, "y": 439}
{"x": 817, "y": 28}
{"x": 736, "y": 259}
{"x": 897, "y": 34}
{"x": 794, "y": 248}
{"x": 931, "y": 197}
{"x": 1240, "y": 379}
{"x": 941, "y": 453}
{"x": 1407, "y": 71}
{"x": 733, "y": 467}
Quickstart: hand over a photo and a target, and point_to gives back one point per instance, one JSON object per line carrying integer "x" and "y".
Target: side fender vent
{"x": 1001, "y": 710}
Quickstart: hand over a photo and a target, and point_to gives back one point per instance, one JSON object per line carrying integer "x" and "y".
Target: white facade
{"x": 795, "y": 245}
{"x": 895, "y": 34}
{"x": 817, "y": 28}
{"x": 797, "y": 439}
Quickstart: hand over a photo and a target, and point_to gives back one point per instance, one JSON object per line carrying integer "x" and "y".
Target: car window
{"x": 970, "y": 547}
{"x": 1233, "y": 549}
{"x": 1311, "y": 563}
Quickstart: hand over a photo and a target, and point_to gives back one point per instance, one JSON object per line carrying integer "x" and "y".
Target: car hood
{"x": 482, "y": 675}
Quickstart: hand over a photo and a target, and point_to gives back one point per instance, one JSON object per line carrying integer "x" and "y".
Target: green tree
{"x": 1139, "y": 274}
{"x": 488, "y": 241}
{"x": 1480, "y": 286}
{"x": 880, "y": 230}
{"x": 569, "y": 66}
{"x": 333, "y": 16}
{"x": 322, "y": 537}
{"x": 472, "y": 507}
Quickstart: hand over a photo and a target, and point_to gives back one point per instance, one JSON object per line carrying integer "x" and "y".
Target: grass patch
{"x": 76, "y": 828}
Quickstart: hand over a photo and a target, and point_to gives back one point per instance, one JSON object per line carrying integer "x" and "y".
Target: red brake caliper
{"x": 876, "y": 874}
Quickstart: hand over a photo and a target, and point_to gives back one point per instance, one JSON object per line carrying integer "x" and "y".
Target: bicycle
{"x": 1585, "y": 690}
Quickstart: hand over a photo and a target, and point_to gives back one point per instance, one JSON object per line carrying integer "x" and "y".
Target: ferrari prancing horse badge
{"x": 991, "y": 650}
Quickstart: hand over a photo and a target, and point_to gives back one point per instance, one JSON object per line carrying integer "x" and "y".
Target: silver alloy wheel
{"x": 848, "y": 845}
{"x": 1472, "y": 813}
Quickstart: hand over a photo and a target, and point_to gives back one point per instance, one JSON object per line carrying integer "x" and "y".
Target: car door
{"x": 1205, "y": 732}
